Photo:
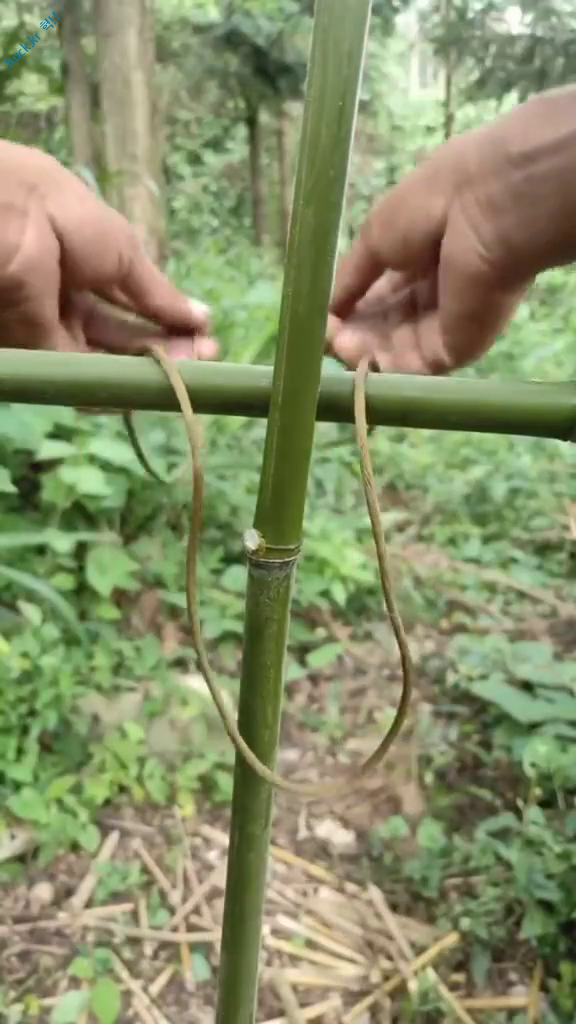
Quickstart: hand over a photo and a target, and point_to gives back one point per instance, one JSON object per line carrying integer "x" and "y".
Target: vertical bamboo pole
{"x": 338, "y": 46}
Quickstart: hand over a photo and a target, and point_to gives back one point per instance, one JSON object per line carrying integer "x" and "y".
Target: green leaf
{"x": 24, "y": 426}
{"x": 70, "y": 1007}
{"x": 47, "y": 593}
{"x": 109, "y": 568}
{"x": 430, "y": 834}
{"x": 59, "y": 540}
{"x": 201, "y": 968}
{"x": 28, "y": 805}
{"x": 81, "y": 968}
{"x": 114, "y": 451}
{"x": 52, "y": 448}
{"x": 6, "y": 485}
{"x": 234, "y": 579}
{"x": 536, "y": 923}
{"x": 294, "y": 672}
{"x": 89, "y": 838}
{"x": 31, "y": 612}
{"x": 324, "y": 655}
{"x": 106, "y": 1001}
{"x": 522, "y": 706}
{"x": 156, "y": 781}
{"x": 534, "y": 652}
{"x": 60, "y": 786}
{"x": 555, "y": 673}
{"x": 338, "y": 593}
{"x": 395, "y": 827}
{"x": 175, "y": 599}
{"x": 88, "y": 481}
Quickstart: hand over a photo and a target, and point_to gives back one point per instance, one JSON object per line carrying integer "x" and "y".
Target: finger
{"x": 107, "y": 327}
{"x": 116, "y": 296}
{"x": 350, "y": 344}
{"x": 402, "y": 335}
{"x": 402, "y": 233}
{"x": 153, "y": 296}
{"x": 202, "y": 348}
{"x": 333, "y": 327}
{"x": 107, "y": 330}
{"x": 206, "y": 349}
{"x": 63, "y": 340}
{"x": 474, "y": 305}
{"x": 386, "y": 291}
{"x": 101, "y": 253}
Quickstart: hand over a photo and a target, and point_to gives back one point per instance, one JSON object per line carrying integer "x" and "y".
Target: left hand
{"x": 61, "y": 250}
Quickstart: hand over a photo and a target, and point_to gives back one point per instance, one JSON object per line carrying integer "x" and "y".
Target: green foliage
{"x": 499, "y": 48}
{"x": 100, "y": 994}
{"x": 522, "y": 678}
{"x": 512, "y": 878}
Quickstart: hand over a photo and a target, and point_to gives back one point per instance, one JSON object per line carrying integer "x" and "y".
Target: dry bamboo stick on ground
{"x": 315, "y": 957}
{"x": 147, "y": 1010}
{"x": 159, "y": 984}
{"x": 404, "y": 946}
{"x": 111, "y": 910}
{"x": 79, "y": 899}
{"x": 143, "y": 923}
{"x": 156, "y": 935}
{"x": 303, "y": 978}
{"x": 191, "y": 873}
{"x": 316, "y": 1012}
{"x": 534, "y": 999}
{"x": 393, "y": 984}
{"x": 156, "y": 872}
{"x": 215, "y": 878}
{"x": 287, "y": 998}
{"x": 493, "y": 1004}
{"x": 296, "y": 928}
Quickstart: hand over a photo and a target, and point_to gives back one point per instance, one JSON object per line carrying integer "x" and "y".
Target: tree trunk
{"x": 77, "y": 88}
{"x": 448, "y": 104}
{"x": 448, "y": 101}
{"x": 254, "y": 130}
{"x": 125, "y": 55}
{"x": 284, "y": 184}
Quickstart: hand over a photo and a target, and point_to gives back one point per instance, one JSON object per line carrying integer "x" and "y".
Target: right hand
{"x": 446, "y": 256}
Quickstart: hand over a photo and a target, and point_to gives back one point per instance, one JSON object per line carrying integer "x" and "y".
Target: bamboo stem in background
{"x": 232, "y": 389}
{"x": 338, "y": 45}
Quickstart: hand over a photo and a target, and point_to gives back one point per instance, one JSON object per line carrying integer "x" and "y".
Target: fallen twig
{"x": 453, "y": 1002}
{"x": 141, "y": 1001}
{"x": 534, "y": 1000}
{"x": 316, "y": 1012}
{"x": 79, "y": 899}
{"x": 156, "y": 872}
{"x": 288, "y": 999}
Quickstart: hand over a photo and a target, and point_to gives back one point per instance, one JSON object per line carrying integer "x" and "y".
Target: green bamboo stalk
{"x": 229, "y": 389}
{"x": 338, "y": 44}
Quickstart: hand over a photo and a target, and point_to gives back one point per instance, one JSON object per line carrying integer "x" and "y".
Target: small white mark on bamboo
{"x": 254, "y": 542}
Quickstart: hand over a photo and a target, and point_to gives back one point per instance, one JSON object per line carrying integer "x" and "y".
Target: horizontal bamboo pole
{"x": 231, "y": 389}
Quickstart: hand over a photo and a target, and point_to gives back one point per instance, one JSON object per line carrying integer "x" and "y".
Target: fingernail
{"x": 199, "y": 309}
{"x": 206, "y": 349}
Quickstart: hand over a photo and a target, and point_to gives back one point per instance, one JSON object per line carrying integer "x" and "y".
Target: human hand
{"x": 446, "y": 256}
{"x": 62, "y": 249}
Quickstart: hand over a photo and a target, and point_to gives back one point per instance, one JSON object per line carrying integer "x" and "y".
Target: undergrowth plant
{"x": 85, "y": 535}
{"x": 99, "y": 694}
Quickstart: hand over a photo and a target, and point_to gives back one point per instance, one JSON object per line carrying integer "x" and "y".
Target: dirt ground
{"x": 336, "y": 948}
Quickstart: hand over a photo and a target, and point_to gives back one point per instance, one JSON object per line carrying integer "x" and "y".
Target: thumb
{"x": 153, "y": 296}
{"x": 474, "y": 303}
{"x": 403, "y": 233}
